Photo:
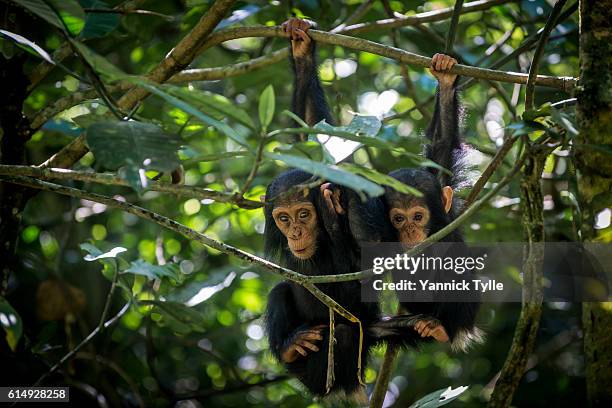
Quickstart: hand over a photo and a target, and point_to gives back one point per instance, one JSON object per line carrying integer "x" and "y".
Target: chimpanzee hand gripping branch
{"x": 316, "y": 231}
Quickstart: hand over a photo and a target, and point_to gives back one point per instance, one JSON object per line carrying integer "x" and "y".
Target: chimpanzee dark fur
{"x": 445, "y": 148}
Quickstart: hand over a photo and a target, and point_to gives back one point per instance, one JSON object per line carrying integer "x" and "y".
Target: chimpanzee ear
{"x": 447, "y": 198}
{"x": 262, "y": 198}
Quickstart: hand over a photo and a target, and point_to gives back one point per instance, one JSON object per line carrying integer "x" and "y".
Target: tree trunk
{"x": 594, "y": 115}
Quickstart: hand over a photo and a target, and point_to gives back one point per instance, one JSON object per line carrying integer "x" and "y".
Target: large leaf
{"x": 362, "y": 128}
{"x": 266, "y": 106}
{"x": 380, "y": 178}
{"x": 99, "y": 63}
{"x": 98, "y": 24}
{"x": 186, "y": 107}
{"x": 117, "y": 143}
{"x": 331, "y": 173}
{"x": 140, "y": 267}
{"x": 178, "y": 317}
{"x": 10, "y": 323}
{"x": 28, "y": 45}
{"x": 42, "y": 10}
{"x": 211, "y": 102}
{"x": 63, "y": 14}
{"x": 439, "y": 398}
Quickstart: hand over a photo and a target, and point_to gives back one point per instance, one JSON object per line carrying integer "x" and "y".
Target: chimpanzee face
{"x": 298, "y": 223}
{"x": 411, "y": 216}
{"x": 410, "y": 220}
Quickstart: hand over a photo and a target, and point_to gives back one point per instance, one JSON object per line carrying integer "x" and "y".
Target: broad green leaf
{"x": 211, "y": 101}
{"x": 99, "y": 63}
{"x": 439, "y": 398}
{"x": 266, "y": 106}
{"x": 331, "y": 173}
{"x": 186, "y": 107}
{"x": 140, "y": 267}
{"x": 42, "y": 10}
{"x": 11, "y": 323}
{"x": 63, "y": 14}
{"x": 71, "y": 13}
{"x": 88, "y": 119}
{"x": 144, "y": 145}
{"x": 98, "y": 24}
{"x": 28, "y": 45}
{"x": 380, "y": 178}
{"x": 178, "y": 317}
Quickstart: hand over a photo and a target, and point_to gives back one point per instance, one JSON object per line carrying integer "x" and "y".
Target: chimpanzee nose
{"x": 296, "y": 233}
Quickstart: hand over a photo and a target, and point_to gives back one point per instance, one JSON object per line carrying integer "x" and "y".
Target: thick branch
{"x": 359, "y": 44}
{"x": 114, "y": 180}
{"x": 527, "y": 325}
{"x": 175, "y": 61}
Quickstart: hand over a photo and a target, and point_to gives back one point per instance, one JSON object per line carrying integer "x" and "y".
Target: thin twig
{"x": 454, "y": 25}
{"x": 539, "y": 51}
{"x": 329, "y": 383}
{"x": 254, "y": 169}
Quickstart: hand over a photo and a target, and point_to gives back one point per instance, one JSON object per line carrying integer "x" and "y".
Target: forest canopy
{"x": 138, "y": 139}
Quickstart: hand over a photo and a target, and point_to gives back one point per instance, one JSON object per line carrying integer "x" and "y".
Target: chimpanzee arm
{"x": 308, "y": 96}
{"x": 281, "y": 318}
{"x": 458, "y": 319}
{"x": 443, "y": 130}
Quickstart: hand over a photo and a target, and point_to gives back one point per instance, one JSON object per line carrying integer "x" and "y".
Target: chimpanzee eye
{"x": 398, "y": 219}
{"x": 304, "y": 214}
{"x": 418, "y": 216}
{"x": 283, "y": 218}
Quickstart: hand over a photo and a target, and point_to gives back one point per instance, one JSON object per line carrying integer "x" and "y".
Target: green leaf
{"x": 266, "y": 106}
{"x": 98, "y": 24}
{"x": 71, "y": 13}
{"x": 540, "y": 112}
{"x": 140, "y": 267}
{"x": 566, "y": 121}
{"x": 310, "y": 149}
{"x": 380, "y": 178}
{"x": 11, "y": 323}
{"x": 144, "y": 145}
{"x": 178, "y": 317}
{"x": 42, "y": 10}
{"x": 99, "y": 63}
{"x": 184, "y": 106}
{"x": 439, "y": 398}
{"x": 331, "y": 173}
{"x": 211, "y": 102}
{"x": 525, "y": 127}
{"x": 28, "y": 45}
{"x": 63, "y": 14}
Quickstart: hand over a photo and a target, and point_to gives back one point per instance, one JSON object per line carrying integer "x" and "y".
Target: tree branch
{"x": 114, "y": 180}
{"x": 563, "y": 83}
{"x": 454, "y": 25}
{"x": 180, "y": 57}
{"x": 531, "y": 310}
{"x": 539, "y": 51}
